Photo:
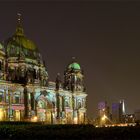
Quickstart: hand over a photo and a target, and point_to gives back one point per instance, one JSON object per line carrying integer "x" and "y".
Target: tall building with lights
{"x": 118, "y": 112}
{"x": 27, "y": 94}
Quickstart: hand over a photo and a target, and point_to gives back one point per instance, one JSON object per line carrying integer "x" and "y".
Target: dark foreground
{"x": 22, "y": 130}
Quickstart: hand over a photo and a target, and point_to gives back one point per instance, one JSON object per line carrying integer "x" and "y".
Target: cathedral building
{"x": 26, "y": 94}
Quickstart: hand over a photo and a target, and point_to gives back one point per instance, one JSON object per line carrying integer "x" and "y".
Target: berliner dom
{"x": 26, "y": 94}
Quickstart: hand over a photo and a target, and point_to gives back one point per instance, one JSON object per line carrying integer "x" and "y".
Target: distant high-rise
{"x": 122, "y": 107}
{"x": 118, "y": 111}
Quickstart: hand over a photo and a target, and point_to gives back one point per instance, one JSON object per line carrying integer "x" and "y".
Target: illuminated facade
{"x": 26, "y": 93}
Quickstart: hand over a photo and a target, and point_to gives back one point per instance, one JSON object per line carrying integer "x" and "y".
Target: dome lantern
{"x": 19, "y": 29}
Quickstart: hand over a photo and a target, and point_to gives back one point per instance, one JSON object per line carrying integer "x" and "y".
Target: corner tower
{"x": 73, "y": 77}
{"x": 74, "y": 84}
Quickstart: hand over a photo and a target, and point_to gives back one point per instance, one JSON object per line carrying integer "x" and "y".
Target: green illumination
{"x": 1, "y": 47}
{"x": 20, "y": 40}
{"x": 23, "y": 42}
{"x": 75, "y": 66}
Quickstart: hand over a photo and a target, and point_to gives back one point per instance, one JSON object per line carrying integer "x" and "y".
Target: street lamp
{"x": 104, "y": 118}
{"x": 34, "y": 119}
{"x": 75, "y": 120}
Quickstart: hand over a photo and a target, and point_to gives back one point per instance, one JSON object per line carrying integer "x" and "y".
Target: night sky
{"x": 103, "y": 36}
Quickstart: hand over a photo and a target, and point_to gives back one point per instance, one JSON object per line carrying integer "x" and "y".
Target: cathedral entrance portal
{"x": 41, "y": 110}
{"x": 44, "y": 110}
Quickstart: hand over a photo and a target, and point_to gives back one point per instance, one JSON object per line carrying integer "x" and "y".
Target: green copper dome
{"x": 19, "y": 39}
{"x": 22, "y": 41}
{"x": 74, "y": 66}
{"x": 20, "y": 44}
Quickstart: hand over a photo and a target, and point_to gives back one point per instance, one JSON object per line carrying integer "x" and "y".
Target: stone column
{"x": 4, "y": 95}
{"x": 63, "y": 103}
{"x": 9, "y": 102}
{"x": 58, "y": 104}
{"x": 35, "y": 107}
{"x": 32, "y": 101}
{"x": 26, "y": 103}
{"x": 73, "y": 107}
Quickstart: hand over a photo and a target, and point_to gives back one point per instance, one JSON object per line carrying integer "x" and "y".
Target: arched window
{"x": 66, "y": 103}
{"x": 79, "y": 104}
{"x": 17, "y": 100}
{"x": 41, "y": 104}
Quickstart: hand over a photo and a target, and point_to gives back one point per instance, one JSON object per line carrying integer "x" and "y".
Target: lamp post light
{"x": 34, "y": 119}
{"x": 75, "y": 120}
{"x": 103, "y": 120}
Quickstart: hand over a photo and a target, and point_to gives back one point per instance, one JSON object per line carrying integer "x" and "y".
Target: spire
{"x": 73, "y": 59}
{"x": 19, "y": 19}
{"x": 19, "y": 28}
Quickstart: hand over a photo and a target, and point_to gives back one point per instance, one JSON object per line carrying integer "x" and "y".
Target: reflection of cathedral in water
{"x": 26, "y": 94}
